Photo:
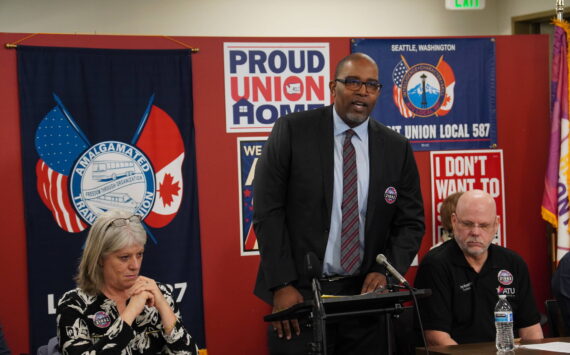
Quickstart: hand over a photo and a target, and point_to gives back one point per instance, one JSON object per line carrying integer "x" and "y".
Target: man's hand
{"x": 373, "y": 281}
{"x": 284, "y": 298}
{"x": 532, "y": 332}
{"x": 437, "y": 338}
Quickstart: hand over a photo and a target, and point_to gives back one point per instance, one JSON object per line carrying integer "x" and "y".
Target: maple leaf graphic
{"x": 168, "y": 189}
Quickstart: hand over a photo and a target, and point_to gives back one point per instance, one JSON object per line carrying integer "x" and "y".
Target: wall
{"x": 233, "y": 315}
{"x": 511, "y": 8}
{"x": 254, "y": 17}
{"x": 13, "y": 269}
{"x": 269, "y": 18}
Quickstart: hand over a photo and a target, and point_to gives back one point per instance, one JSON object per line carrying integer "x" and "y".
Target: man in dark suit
{"x": 561, "y": 288}
{"x": 311, "y": 169}
{"x": 4, "y": 350}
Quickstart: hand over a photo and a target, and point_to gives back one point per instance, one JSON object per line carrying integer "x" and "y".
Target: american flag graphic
{"x": 53, "y": 190}
{"x": 59, "y": 142}
{"x": 397, "y": 74}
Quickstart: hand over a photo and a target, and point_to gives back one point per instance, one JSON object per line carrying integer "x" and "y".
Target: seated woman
{"x": 114, "y": 309}
{"x": 447, "y": 209}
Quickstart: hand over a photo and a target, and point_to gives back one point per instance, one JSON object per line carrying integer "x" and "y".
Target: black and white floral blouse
{"x": 91, "y": 325}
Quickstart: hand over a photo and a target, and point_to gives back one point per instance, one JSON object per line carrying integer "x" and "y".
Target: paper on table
{"x": 557, "y": 346}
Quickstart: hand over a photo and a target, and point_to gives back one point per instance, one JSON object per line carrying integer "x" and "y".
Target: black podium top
{"x": 350, "y": 305}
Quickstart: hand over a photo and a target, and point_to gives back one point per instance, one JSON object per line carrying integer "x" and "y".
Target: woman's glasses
{"x": 121, "y": 222}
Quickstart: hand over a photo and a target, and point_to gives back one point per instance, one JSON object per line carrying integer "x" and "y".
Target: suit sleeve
{"x": 561, "y": 287}
{"x": 407, "y": 226}
{"x": 270, "y": 216}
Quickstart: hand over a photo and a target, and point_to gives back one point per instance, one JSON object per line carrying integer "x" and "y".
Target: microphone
{"x": 313, "y": 266}
{"x": 381, "y": 259}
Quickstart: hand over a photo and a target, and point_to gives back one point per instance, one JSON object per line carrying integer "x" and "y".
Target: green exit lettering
{"x": 466, "y": 3}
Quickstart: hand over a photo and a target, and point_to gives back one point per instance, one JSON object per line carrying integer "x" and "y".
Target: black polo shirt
{"x": 463, "y": 301}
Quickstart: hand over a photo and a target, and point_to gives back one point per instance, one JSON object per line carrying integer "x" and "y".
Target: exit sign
{"x": 465, "y": 4}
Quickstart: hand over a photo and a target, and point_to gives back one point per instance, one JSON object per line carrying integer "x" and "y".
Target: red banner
{"x": 464, "y": 170}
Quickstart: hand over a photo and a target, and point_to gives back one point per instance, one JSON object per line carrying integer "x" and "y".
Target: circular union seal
{"x": 423, "y": 89}
{"x": 101, "y": 320}
{"x": 505, "y": 277}
{"x": 390, "y": 195}
{"x": 112, "y": 175}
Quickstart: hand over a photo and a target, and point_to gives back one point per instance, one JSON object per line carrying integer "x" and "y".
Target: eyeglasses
{"x": 487, "y": 227}
{"x": 121, "y": 222}
{"x": 372, "y": 86}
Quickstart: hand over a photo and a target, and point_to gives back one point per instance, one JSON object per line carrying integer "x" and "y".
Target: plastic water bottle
{"x": 504, "y": 324}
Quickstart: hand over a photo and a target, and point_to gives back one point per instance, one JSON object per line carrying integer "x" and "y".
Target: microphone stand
{"x": 417, "y": 307}
{"x": 318, "y": 346}
{"x": 406, "y": 285}
{"x": 381, "y": 259}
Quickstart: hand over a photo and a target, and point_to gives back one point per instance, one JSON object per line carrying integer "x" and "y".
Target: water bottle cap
{"x": 502, "y": 297}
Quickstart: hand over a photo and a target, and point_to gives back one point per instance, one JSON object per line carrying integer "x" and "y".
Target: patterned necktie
{"x": 349, "y": 235}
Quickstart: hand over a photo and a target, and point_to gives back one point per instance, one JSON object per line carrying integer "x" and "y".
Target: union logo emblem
{"x": 505, "y": 277}
{"x": 101, "y": 320}
{"x": 423, "y": 89}
{"x": 112, "y": 175}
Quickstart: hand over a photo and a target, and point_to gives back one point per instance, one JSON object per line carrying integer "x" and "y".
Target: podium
{"x": 324, "y": 308}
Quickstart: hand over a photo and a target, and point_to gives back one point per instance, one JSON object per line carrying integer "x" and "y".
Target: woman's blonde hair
{"x": 103, "y": 239}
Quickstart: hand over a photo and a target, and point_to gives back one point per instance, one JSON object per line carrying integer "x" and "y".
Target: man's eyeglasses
{"x": 372, "y": 86}
{"x": 487, "y": 227}
{"x": 121, "y": 222}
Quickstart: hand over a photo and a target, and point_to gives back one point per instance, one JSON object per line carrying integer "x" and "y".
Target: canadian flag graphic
{"x": 449, "y": 79}
{"x": 162, "y": 143}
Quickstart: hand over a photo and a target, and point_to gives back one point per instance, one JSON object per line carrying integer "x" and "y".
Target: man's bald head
{"x": 475, "y": 223}
{"x": 354, "y": 57}
{"x": 479, "y": 198}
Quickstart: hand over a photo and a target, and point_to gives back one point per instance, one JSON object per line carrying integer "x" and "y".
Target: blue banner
{"x": 249, "y": 151}
{"x": 104, "y": 129}
{"x": 439, "y": 93}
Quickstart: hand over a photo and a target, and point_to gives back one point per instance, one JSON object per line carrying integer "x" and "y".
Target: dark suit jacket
{"x": 293, "y": 190}
{"x": 561, "y": 288}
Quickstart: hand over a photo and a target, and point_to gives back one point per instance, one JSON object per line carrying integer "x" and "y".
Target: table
{"x": 489, "y": 348}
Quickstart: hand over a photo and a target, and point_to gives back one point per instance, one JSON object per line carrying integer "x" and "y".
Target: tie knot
{"x": 349, "y": 133}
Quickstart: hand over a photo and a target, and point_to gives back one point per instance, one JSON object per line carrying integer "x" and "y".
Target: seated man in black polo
{"x": 466, "y": 274}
